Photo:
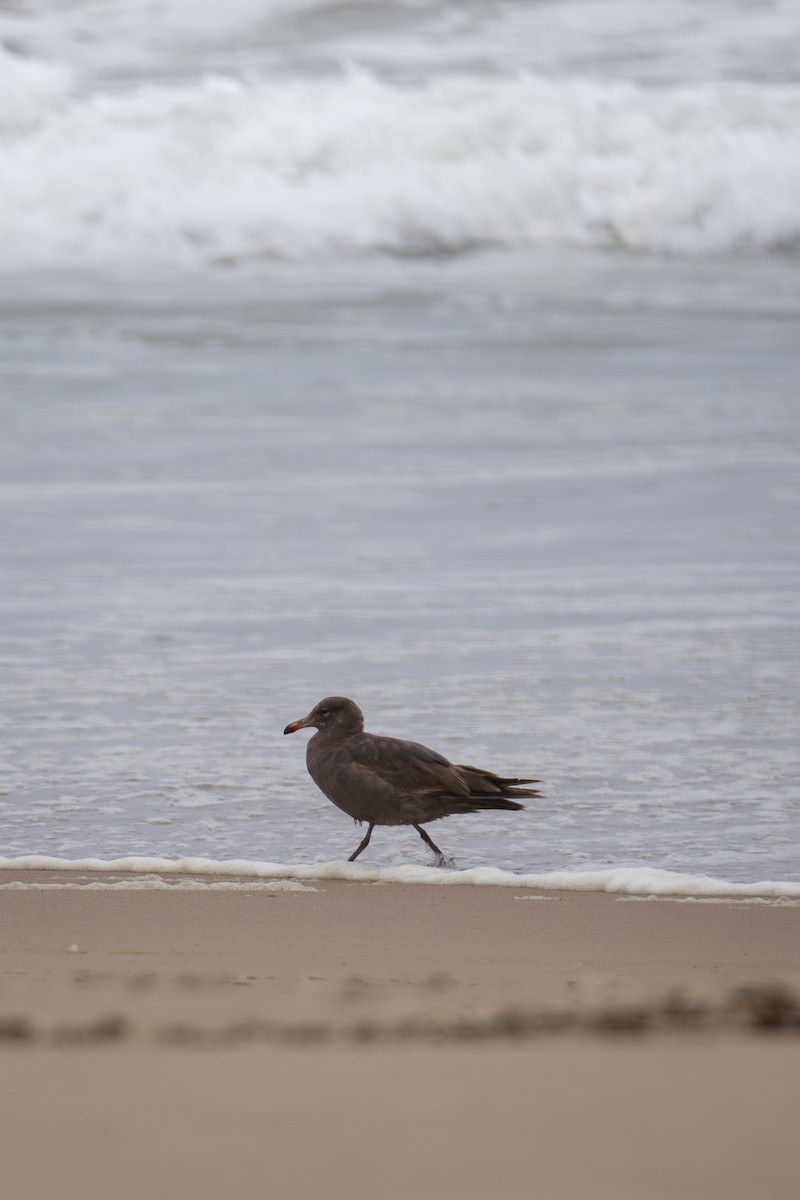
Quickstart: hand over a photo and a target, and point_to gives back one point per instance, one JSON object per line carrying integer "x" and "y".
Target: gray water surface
{"x": 537, "y": 511}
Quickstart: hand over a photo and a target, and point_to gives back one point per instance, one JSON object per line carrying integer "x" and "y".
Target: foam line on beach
{"x": 632, "y": 881}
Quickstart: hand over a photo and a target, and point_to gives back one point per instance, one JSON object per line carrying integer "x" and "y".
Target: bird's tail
{"x": 478, "y": 803}
{"x": 501, "y": 788}
{"x": 511, "y": 788}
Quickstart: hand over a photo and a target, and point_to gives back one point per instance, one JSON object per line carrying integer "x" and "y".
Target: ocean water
{"x": 443, "y": 356}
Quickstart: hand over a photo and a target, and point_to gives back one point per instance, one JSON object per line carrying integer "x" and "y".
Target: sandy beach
{"x": 354, "y": 1039}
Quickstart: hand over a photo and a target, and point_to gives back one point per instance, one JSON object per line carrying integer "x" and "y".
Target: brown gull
{"x": 387, "y": 781}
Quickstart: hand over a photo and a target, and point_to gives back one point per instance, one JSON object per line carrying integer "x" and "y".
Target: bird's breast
{"x": 348, "y": 784}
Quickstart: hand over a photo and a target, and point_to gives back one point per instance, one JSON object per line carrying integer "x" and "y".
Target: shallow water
{"x": 533, "y": 503}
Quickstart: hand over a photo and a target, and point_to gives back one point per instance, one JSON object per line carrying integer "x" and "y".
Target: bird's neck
{"x": 333, "y": 735}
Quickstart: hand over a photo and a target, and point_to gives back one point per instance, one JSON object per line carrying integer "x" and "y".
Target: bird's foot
{"x": 445, "y": 861}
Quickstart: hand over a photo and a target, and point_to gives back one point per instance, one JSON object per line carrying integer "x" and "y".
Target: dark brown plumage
{"x": 386, "y": 781}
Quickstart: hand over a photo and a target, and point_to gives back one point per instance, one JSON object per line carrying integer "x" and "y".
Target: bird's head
{"x": 335, "y": 714}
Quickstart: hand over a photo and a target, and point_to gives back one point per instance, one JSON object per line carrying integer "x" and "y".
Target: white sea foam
{"x": 632, "y": 881}
{"x": 149, "y": 883}
{"x": 225, "y": 169}
{"x": 30, "y": 90}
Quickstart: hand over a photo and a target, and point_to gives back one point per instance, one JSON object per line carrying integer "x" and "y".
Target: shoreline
{"x": 644, "y": 882}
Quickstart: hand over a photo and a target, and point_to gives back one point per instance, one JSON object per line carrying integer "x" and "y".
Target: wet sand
{"x": 364, "y": 1040}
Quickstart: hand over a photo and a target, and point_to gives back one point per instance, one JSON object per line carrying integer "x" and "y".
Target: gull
{"x": 388, "y": 781}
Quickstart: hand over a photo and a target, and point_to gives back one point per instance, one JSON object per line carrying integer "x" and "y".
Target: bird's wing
{"x": 409, "y": 767}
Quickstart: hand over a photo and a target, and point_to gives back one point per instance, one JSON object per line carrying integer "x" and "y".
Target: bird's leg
{"x": 363, "y": 845}
{"x": 442, "y": 859}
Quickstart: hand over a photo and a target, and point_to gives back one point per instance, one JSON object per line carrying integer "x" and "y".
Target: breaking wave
{"x": 224, "y": 169}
